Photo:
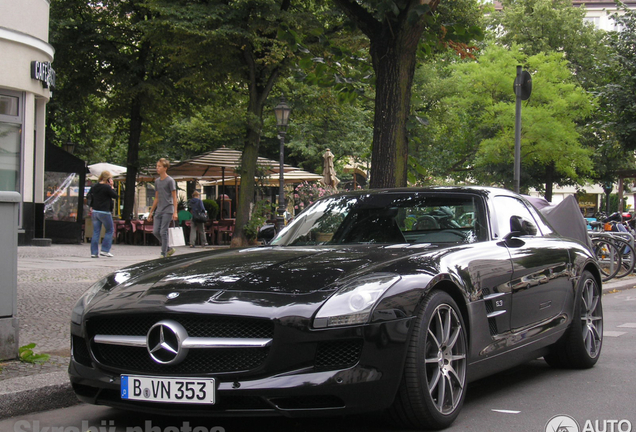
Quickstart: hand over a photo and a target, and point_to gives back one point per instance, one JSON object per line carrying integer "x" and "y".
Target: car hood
{"x": 285, "y": 270}
{"x": 264, "y": 275}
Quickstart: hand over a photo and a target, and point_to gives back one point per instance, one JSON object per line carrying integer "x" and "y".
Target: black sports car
{"x": 374, "y": 300}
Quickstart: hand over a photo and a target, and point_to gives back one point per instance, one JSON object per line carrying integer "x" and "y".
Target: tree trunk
{"x": 394, "y": 65}
{"x": 246, "y": 192}
{"x": 134, "y": 135}
{"x": 132, "y": 161}
{"x": 549, "y": 181}
{"x": 261, "y": 82}
{"x": 394, "y": 42}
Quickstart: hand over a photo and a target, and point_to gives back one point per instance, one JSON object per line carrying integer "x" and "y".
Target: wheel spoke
{"x": 457, "y": 357}
{"x": 454, "y": 374}
{"x": 451, "y": 393}
{"x": 437, "y": 344}
{"x": 592, "y": 307}
{"x": 431, "y": 360}
{"x": 453, "y": 338}
{"x": 589, "y": 295}
{"x": 441, "y": 393}
{"x": 448, "y": 327}
{"x": 588, "y": 339}
{"x": 596, "y": 334}
{"x": 584, "y": 300}
{"x": 433, "y": 383}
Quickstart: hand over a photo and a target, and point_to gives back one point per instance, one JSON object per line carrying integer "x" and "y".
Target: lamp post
{"x": 281, "y": 111}
{"x": 69, "y": 147}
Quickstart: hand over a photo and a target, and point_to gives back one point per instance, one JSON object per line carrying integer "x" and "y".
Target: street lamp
{"x": 281, "y": 111}
{"x": 69, "y": 147}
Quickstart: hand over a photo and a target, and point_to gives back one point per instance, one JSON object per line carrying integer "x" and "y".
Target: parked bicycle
{"x": 613, "y": 245}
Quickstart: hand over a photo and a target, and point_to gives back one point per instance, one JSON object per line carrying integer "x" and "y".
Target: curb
{"x": 26, "y": 395}
{"x": 619, "y": 284}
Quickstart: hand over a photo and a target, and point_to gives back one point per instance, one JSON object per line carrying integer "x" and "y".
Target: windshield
{"x": 388, "y": 218}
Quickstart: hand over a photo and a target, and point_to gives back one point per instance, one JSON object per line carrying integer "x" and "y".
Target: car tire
{"x": 433, "y": 385}
{"x": 580, "y": 346}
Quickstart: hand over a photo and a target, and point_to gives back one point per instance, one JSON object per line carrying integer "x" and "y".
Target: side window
{"x": 505, "y": 207}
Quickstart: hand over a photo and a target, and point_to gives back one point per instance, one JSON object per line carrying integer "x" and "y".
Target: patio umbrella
{"x": 329, "y": 173}
{"x": 290, "y": 177}
{"x": 218, "y": 164}
{"x": 98, "y": 168}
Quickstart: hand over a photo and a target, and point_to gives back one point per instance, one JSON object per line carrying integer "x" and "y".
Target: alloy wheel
{"x": 592, "y": 318}
{"x": 445, "y": 359}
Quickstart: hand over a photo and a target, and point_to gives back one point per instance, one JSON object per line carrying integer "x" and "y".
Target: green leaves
{"x": 471, "y": 129}
{"x": 619, "y": 95}
{"x": 27, "y": 355}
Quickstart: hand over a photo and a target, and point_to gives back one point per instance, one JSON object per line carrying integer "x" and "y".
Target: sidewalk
{"x": 50, "y": 280}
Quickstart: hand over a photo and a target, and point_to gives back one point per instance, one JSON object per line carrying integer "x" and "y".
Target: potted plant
{"x": 212, "y": 208}
{"x": 257, "y": 220}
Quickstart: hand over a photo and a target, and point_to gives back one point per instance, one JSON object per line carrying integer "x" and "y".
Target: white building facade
{"x": 599, "y": 12}
{"x": 26, "y": 82}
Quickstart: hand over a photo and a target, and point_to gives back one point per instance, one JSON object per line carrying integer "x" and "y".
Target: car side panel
{"x": 541, "y": 279}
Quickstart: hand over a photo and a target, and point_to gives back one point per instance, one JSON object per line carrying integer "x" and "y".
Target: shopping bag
{"x": 175, "y": 236}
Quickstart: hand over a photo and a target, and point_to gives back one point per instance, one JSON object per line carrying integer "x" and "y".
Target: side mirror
{"x": 521, "y": 227}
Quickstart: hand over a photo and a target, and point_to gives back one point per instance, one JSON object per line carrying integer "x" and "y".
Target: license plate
{"x": 161, "y": 389}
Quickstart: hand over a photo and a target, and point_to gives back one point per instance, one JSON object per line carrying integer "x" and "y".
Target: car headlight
{"x": 353, "y": 303}
{"x": 86, "y": 298}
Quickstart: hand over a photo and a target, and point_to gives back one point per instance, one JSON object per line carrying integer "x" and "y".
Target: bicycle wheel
{"x": 607, "y": 256}
{"x": 628, "y": 257}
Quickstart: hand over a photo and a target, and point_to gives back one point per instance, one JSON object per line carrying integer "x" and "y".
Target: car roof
{"x": 479, "y": 190}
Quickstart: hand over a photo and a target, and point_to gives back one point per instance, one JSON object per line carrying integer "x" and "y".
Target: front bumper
{"x": 287, "y": 383}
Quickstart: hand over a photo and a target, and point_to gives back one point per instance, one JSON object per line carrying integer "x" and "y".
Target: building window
{"x": 595, "y": 21}
{"x": 10, "y": 141}
{"x": 60, "y": 202}
{"x": 9, "y": 105}
{"x": 10, "y": 135}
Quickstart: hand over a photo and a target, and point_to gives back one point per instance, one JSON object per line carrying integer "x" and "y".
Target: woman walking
{"x": 197, "y": 209}
{"x": 102, "y": 204}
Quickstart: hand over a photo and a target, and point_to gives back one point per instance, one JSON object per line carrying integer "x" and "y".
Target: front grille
{"x": 195, "y": 325}
{"x": 197, "y": 361}
{"x": 80, "y": 351}
{"x": 338, "y": 354}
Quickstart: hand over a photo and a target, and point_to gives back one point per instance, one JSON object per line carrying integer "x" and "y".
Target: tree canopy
{"x": 619, "y": 94}
{"x": 477, "y": 131}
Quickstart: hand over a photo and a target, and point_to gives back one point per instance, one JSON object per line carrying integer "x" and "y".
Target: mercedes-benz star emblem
{"x": 164, "y": 342}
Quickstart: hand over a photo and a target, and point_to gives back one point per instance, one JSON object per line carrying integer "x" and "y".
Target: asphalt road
{"x": 521, "y": 399}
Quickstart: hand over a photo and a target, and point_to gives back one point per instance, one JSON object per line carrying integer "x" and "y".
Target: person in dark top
{"x": 196, "y": 207}
{"x": 102, "y": 195}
